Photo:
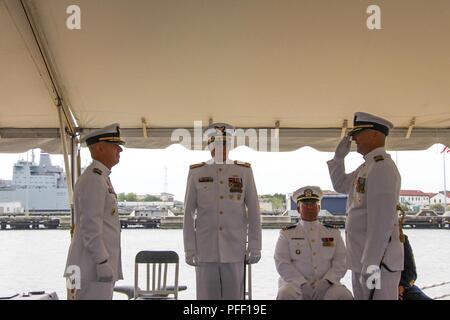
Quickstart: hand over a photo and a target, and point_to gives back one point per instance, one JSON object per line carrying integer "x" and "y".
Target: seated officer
{"x": 407, "y": 290}
{"x": 310, "y": 257}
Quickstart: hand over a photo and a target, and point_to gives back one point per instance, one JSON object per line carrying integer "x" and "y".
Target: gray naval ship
{"x": 39, "y": 188}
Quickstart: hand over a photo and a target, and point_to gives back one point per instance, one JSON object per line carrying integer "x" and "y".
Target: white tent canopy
{"x": 308, "y": 65}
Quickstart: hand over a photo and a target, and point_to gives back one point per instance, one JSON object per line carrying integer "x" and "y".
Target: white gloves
{"x": 343, "y": 148}
{"x": 322, "y": 287}
{"x": 104, "y": 272}
{"x": 307, "y": 291}
{"x": 191, "y": 258}
{"x": 253, "y": 256}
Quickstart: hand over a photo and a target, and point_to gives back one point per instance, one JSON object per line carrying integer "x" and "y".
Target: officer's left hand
{"x": 191, "y": 258}
{"x": 253, "y": 256}
{"x": 322, "y": 287}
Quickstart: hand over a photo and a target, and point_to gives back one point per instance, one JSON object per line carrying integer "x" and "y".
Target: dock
{"x": 39, "y": 222}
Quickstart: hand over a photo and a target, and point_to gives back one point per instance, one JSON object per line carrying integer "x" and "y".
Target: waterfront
{"x": 34, "y": 260}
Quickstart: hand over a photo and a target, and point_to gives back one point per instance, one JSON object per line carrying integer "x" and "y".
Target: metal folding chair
{"x": 158, "y": 265}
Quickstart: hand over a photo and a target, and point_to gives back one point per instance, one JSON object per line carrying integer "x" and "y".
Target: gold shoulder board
{"x": 97, "y": 171}
{"x": 241, "y": 163}
{"x": 378, "y": 158}
{"x": 197, "y": 165}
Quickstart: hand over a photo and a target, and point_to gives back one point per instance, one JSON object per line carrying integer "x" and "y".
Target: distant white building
{"x": 439, "y": 198}
{"x": 414, "y": 197}
{"x": 11, "y": 208}
{"x": 167, "y": 197}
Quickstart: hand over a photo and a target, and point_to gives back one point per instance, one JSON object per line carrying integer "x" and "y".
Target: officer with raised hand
{"x": 374, "y": 249}
{"x": 95, "y": 248}
{"x": 310, "y": 257}
{"x": 222, "y": 224}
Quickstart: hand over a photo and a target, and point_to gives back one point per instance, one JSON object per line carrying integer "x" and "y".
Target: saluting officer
{"x": 310, "y": 257}
{"x": 95, "y": 247}
{"x": 372, "y": 226}
{"x": 222, "y": 224}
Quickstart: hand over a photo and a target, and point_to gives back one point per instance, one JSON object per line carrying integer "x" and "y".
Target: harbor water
{"x": 34, "y": 260}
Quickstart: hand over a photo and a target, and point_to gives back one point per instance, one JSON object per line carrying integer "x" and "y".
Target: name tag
{"x": 206, "y": 179}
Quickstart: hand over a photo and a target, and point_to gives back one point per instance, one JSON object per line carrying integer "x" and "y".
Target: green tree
{"x": 149, "y": 198}
{"x": 278, "y": 200}
{"x": 121, "y": 197}
{"x": 132, "y": 197}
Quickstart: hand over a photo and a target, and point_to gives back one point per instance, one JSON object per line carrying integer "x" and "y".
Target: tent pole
{"x": 66, "y": 159}
{"x": 75, "y": 173}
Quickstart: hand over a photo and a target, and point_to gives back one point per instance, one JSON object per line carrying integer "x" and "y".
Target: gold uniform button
{"x": 221, "y": 197}
{"x": 221, "y": 182}
{"x": 221, "y": 212}
{"x": 314, "y": 253}
{"x": 315, "y": 268}
{"x": 220, "y": 228}
{"x": 220, "y": 169}
{"x": 313, "y": 240}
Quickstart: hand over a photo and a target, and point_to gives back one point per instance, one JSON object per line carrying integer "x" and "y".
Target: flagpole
{"x": 445, "y": 182}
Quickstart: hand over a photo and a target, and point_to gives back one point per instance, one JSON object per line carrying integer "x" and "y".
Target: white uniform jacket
{"x": 97, "y": 225}
{"x": 309, "y": 252}
{"x": 372, "y": 226}
{"x": 221, "y": 207}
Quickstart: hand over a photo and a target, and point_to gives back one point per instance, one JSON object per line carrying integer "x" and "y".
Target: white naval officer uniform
{"x": 372, "y": 227}
{"x": 97, "y": 232}
{"x": 307, "y": 253}
{"x": 221, "y": 213}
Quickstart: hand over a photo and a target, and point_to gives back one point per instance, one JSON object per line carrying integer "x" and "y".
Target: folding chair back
{"x": 158, "y": 265}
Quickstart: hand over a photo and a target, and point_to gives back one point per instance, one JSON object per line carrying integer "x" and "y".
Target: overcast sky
{"x": 142, "y": 171}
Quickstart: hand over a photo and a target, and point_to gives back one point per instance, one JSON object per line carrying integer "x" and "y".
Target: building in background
{"x": 439, "y": 198}
{"x": 414, "y": 198}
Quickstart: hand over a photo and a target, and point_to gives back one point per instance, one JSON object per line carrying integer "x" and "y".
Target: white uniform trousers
{"x": 388, "y": 286}
{"x": 336, "y": 292}
{"x": 94, "y": 290}
{"x": 220, "y": 281}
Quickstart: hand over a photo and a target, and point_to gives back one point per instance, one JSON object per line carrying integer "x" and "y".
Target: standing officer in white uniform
{"x": 372, "y": 226}
{"x": 222, "y": 224}
{"x": 310, "y": 257}
{"x": 95, "y": 246}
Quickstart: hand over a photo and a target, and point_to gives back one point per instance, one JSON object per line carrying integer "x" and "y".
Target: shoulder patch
{"x": 241, "y": 163}
{"x": 330, "y": 226}
{"x": 97, "y": 171}
{"x": 378, "y": 158}
{"x": 289, "y": 227}
{"x": 197, "y": 165}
